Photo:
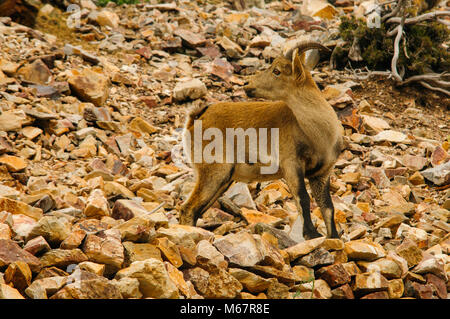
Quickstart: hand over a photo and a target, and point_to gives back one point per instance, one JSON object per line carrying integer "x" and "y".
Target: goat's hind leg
{"x": 320, "y": 188}
{"x": 211, "y": 182}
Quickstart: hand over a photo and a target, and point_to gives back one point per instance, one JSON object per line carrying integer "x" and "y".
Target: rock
{"x": 17, "y": 207}
{"x": 335, "y": 275}
{"x": 390, "y": 136}
{"x": 249, "y": 280}
{"x": 364, "y": 249}
{"x": 7, "y": 292}
{"x": 439, "y": 175}
{"x": 186, "y": 288}
{"x": 98, "y": 269}
{"x": 37, "y": 246}
{"x": 13, "y": 163}
{"x": 108, "y": 18}
{"x": 209, "y": 256}
{"x": 342, "y": 292}
{"x": 62, "y": 258}
{"x": 45, "y": 287}
{"x": 318, "y": 8}
{"x": 36, "y": 72}
{"x": 5, "y": 231}
{"x": 431, "y": 265}
{"x": 370, "y": 282}
{"x": 254, "y": 216}
{"x": 12, "y": 120}
{"x": 137, "y": 229}
{"x": 140, "y": 252}
{"x": 377, "y": 295}
{"x": 154, "y": 281}
{"x": 438, "y": 285}
{"x": 90, "y": 85}
{"x": 19, "y": 275}
{"x": 192, "y": 89}
{"x": 416, "y": 179}
{"x": 318, "y": 257}
{"x": 410, "y": 252}
{"x": 183, "y": 235}
{"x": 169, "y": 250}
{"x": 283, "y": 239}
{"x": 128, "y": 287}
{"x": 439, "y": 156}
{"x": 395, "y": 288}
{"x": 127, "y": 209}
{"x": 105, "y": 248}
{"x": 240, "y": 195}
{"x": 52, "y": 228}
{"x": 414, "y": 163}
{"x": 419, "y": 291}
{"x": 74, "y": 240}
{"x": 387, "y": 267}
{"x": 374, "y": 125}
{"x": 97, "y": 205}
{"x": 140, "y": 125}
{"x": 96, "y": 288}
{"x": 240, "y": 249}
{"x": 277, "y": 290}
{"x": 304, "y": 248}
{"x": 218, "y": 284}
{"x": 10, "y": 252}
{"x": 189, "y": 37}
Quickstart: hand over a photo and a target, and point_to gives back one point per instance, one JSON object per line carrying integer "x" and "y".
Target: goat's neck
{"x": 307, "y": 100}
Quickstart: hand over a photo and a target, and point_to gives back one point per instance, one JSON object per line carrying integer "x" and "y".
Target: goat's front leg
{"x": 295, "y": 178}
{"x": 212, "y": 181}
{"x": 320, "y": 188}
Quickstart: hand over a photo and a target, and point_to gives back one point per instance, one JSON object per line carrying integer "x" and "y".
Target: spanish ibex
{"x": 310, "y": 140}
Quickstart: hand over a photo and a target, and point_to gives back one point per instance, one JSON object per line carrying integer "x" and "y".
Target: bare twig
{"x": 425, "y": 77}
{"x": 397, "y": 76}
{"x": 423, "y": 17}
{"x": 393, "y": 13}
{"x": 425, "y": 84}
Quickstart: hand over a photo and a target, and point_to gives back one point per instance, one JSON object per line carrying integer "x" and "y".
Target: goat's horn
{"x": 303, "y": 46}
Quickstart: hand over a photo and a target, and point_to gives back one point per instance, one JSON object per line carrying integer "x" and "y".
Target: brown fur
{"x": 309, "y": 134}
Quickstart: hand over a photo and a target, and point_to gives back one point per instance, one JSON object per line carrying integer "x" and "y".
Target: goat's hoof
{"x": 312, "y": 234}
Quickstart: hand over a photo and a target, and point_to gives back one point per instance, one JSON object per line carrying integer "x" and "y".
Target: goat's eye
{"x": 276, "y": 72}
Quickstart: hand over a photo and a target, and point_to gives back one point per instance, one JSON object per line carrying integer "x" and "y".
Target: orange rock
{"x": 169, "y": 250}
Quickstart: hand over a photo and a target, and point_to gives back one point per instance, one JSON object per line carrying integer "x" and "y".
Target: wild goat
{"x": 310, "y": 140}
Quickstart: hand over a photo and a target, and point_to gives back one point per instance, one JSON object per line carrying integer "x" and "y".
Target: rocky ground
{"x": 90, "y": 126}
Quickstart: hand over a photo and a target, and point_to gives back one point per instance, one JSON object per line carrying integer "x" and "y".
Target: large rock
{"x": 90, "y": 85}
{"x": 17, "y": 207}
{"x": 13, "y": 163}
{"x": 364, "y": 250}
{"x": 45, "y": 287}
{"x": 19, "y": 275}
{"x": 217, "y": 284}
{"x": 63, "y": 257}
{"x": 439, "y": 175}
{"x": 137, "y": 229}
{"x": 7, "y": 292}
{"x": 192, "y": 89}
{"x": 97, "y": 205}
{"x": 154, "y": 281}
{"x": 304, "y": 248}
{"x": 249, "y": 280}
{"x": 183, "y": 235}
{"x": 10, "y": 252}
{"x": 36, "y": 72}
{"x": 240, "y": 249}
{"x": 105, "y": 248}
{"x": 52, "y": 228}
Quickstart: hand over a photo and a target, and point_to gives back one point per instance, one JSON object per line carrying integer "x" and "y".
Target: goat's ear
{"x": 298, "y": 62}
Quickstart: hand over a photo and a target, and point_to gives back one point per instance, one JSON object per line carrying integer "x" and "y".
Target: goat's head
{"x": 286, "y": 74}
